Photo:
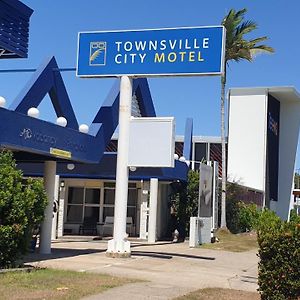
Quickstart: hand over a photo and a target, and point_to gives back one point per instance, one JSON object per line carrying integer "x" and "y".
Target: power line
{"x": 33, "y": 70}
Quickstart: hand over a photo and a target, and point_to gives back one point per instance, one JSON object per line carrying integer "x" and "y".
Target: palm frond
{"x": 262, "y": 49}
{"x": 258, "y": 40}
{"x": 241, "y": 13}
{"x": 246, "y": 27}
{"x": 237, "y": 47}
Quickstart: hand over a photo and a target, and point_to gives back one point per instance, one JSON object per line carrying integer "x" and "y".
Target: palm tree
{"x": 237, "y": 49}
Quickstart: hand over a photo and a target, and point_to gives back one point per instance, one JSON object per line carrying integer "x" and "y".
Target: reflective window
{"x": 83, "y": 203}
{"x": 132, "y": 197}
{"x": 109, "y": 196}
{"x": 74, "y": 213}
{"x": 92, "y": 196}
{"x": 200, "y": 153}
{"x": 108, "y": 212}
{"x": 91, "y": 213}
{"x": 75, "y": 195}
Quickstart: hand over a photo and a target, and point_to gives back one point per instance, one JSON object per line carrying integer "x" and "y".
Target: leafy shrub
{"x": 22, "y": 205}
{"x": 248, "y": 216}
{"x": 10, "y": 237}
{"x": 232, "y": 215}
{"x": 232, "y": 209}
{"x": 279, "y": 253}
{"x": 185, "y": 196}
{"x": 240, "y": 216}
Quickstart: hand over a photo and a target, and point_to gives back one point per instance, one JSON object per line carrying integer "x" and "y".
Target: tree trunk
{"x": 224, "y": 179}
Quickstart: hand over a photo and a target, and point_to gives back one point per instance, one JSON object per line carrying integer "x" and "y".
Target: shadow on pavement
{"x": 168, "y": 255}
{"x": 72, "y": 251}
{"x": 59, "y": 253}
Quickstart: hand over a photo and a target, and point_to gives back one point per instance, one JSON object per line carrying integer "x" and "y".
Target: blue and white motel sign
{"x": 144, "y": 53}
{"x": 155, "y": 52}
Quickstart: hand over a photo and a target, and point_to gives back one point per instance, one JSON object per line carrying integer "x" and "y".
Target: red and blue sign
{"x": 155, "y": 52}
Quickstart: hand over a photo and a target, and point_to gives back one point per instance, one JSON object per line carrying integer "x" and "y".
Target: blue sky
{"x": 55, "y": 25}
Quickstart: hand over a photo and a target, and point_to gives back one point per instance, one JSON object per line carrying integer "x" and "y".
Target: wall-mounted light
{"x": 62, "y": 184}
{"x": 132, "y": 168}
{"x": 84, "y": 128}
{"x": 182, "y": 158}
{"x": 33, "y": 112}
{"x": 61, "y": 121}
{"x": 2, "y": 101}
{"x": 70, "y": 167}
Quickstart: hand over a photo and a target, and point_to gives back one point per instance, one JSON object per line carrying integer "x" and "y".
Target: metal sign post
{"x": 119, "y": 246}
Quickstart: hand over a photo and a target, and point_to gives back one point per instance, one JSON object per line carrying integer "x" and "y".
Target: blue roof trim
{"x": 23, "y": 133}
{"x": 106, "y": 169}
{"x": 142, "y": 91}
{"x": 26, "y": 134}
{"x": 188, "y": 139}
{"x": 108, "y": 114}
{"x": 47, "y": 79}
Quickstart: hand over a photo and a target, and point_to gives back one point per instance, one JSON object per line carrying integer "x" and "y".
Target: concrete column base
{"x": 118, "y": 248}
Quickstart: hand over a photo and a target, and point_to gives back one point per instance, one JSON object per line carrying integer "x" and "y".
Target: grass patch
{"x": 220, "y": 294}
{"x": 55, "y": 284}
{"x": 233, "y": 242}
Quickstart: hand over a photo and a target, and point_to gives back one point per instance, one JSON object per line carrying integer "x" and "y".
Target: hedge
{"x": 279, "y": 253}
{"x": 22, "y": 205}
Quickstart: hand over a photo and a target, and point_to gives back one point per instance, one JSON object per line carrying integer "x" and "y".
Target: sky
{"x": 54, "y": 28}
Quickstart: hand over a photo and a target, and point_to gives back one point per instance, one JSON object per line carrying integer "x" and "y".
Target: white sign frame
{"x": 151, "y": 142}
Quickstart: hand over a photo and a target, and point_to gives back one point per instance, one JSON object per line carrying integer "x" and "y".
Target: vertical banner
{"x": 272, "y": 161}
{"x": 215, "y": 194}
{"x": 205, "y": 191}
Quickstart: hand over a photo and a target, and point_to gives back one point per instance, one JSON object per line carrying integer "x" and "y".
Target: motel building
{"x": 78, "y": 162}
{"x": 85, "y": 192}
{"x": 84, "y": 188}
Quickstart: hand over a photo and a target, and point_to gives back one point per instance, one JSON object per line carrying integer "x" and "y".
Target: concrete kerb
{"x": 168, "y": 269}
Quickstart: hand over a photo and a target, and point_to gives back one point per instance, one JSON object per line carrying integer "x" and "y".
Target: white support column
{"x": 61, "y": 209}
{"x": 144, "y": 211}
{"x": 119, "y": 246}
{"x": 46, "y": 228}
{"x": 153, "y": 210}
{"x": 55, "y": 213}
{"x": 215, "y": 194}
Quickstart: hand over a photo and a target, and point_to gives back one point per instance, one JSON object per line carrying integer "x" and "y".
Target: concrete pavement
{"x": 169, "y": 270}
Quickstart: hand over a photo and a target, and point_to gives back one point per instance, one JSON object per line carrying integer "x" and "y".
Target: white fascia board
{"x": 281, "y": 93}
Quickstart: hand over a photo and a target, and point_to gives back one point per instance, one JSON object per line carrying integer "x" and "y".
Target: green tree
{"x": 237, "y": 48}
{"x": 22, "y": 204}
{"x": 297, "y": 180}
{"x": 186, "y": 197}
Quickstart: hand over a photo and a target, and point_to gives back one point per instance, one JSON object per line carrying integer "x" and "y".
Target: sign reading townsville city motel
{"x": 157, "y": 52}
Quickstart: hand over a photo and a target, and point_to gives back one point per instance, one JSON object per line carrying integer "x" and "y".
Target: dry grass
{"x": 233, "y": 242}
{"x": 55, "y": 284}
{"x": 220, "y": 294}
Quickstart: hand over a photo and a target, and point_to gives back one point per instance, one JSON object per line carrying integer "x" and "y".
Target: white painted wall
{"x": 247, "y": 139}
{"x": 288, "y": 140}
